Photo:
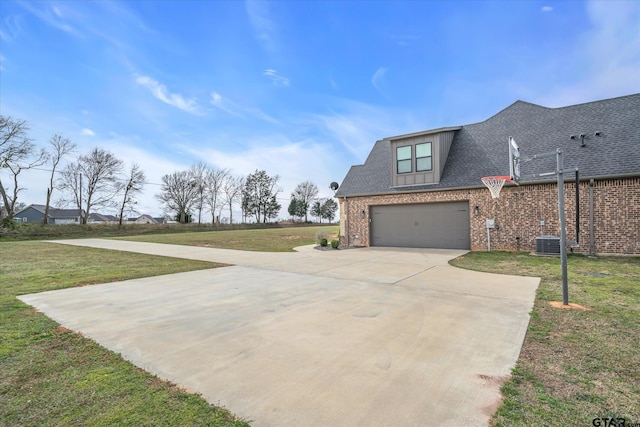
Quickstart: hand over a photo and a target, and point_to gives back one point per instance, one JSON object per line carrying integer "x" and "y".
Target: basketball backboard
{"x": 514, "y": 161}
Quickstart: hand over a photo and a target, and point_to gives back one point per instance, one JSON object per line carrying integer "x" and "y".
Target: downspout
{"x": 592, "y": 250}
{"x": 346, "y": 214}
{"x": 577, "y": 208}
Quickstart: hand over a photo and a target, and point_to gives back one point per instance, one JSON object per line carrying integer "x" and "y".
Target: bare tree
{"x": 179, "y": 193}
{"x": 17, "y": 153}
{"x": 232, "y": 190}
{"x": 133, "y": 187}
{"x": 95, "y": 177}
{"x": 304, "y": 193}
{"x": 198, "y": 175}
{"x": 214, "y": 182}
{"x": 60, "y": 147}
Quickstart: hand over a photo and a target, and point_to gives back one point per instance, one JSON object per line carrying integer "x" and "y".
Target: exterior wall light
{"x": 476, "y": 211}
{"x": 363, "y": 214}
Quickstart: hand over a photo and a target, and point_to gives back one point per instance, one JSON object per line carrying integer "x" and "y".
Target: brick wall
{"x": 519, "y": 211}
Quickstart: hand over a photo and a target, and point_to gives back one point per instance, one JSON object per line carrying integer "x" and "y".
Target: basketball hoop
{"x": 495, "y": 183}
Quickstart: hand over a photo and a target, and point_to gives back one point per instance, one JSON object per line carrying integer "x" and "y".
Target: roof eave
{"x": 423, "y": 133}
{"x": 470, "y": 187}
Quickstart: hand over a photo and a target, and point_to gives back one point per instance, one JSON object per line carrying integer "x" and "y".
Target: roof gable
{"x": 481, "y": 149}
{"x": 53, "y": 212}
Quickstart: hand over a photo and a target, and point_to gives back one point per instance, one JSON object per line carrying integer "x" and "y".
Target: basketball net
{"x": 495, "y": 183}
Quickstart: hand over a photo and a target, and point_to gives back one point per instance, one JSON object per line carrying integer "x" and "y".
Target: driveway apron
{"x": 358, "y": 337}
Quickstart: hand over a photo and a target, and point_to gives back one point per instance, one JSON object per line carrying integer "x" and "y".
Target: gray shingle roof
{"x": 97, "y": 217}
{"x": 481, "y": 149}
{"x": 54, "y": 212}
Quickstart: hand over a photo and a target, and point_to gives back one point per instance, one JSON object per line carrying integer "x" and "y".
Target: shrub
{"x": 321, "y": 235}
{"x": 8, "y": 223}
{"x": 323, "y": 242}
{"x": 335, "y": 243}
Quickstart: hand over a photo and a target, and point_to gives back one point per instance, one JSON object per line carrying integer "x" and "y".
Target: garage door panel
{"x": 429, "y": 225}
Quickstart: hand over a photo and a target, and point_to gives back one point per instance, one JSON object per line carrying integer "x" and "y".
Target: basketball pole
{"x": 563, "y": 226}
{"x": 559, "y": 173}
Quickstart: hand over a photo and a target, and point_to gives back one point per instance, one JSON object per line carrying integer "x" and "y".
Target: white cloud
{"x": 12, "y": 28}
{"x": 547, "y": 8}
{"x": 161, "y": 92}
{"x": 154, "y": 168}
{"x": 276, "y": 78}
{"x": 223, "y": 104}
{"x": 87, "y": 132}
{"x": 377, "y": 78}
{"x": 237, "y": 110}
{"x": 51, "y": 15}
{"x": 358, "y": 126}
{"x": 263, "y": 26}
{"x": 611, "y": 57}
{"x": 293, "y": 161}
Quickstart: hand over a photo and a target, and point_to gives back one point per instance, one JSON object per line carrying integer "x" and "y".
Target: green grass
{"x": 50, "y": 376}
{"x": 266, "y": 240}
{"x": 574, "y": 365}
{"x": 32, "y": 231}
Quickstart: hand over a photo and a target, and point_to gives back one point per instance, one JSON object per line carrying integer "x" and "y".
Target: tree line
{"x": 100, "y": 180}
{"x": 97, "y": 179}
{"x": 301, "y": 203}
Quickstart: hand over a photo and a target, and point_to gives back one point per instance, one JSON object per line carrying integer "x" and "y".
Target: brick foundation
{"x": 518, "y": 213}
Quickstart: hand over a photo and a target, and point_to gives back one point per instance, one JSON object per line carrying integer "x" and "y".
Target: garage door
{"x": 429, "y": 225}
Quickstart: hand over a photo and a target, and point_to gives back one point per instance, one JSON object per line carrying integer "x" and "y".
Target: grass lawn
{"x": 574, "y": 365}
{"x": 50, "y": 376}
{"x": 269, "y": 240}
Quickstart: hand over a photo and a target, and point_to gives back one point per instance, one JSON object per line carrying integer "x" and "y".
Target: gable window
{"x": 403, "y": 156}
{"x": 423, "y": 157}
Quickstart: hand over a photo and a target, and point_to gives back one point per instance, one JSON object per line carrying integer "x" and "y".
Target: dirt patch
{"x": 492, "y": 382}
{"x": 570, "y": 306}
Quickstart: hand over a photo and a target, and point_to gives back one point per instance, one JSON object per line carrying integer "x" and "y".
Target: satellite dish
{"x": 333, "y": 186}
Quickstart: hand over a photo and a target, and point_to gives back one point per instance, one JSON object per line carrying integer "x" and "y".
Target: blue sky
{"x": 301, "y": 89}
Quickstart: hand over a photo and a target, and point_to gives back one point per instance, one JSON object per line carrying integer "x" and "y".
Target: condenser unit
{"x": 548, "y": 245}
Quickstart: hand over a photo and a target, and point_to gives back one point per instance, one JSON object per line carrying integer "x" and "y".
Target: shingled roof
{"x": 55, "y": 212}
{"x": 481, "y": 149}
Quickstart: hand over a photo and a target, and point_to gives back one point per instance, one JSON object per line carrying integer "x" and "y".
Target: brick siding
{"x": 518, "y": 213}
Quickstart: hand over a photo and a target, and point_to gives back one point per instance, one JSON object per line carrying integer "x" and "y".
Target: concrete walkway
{"x": 371, "y": 336}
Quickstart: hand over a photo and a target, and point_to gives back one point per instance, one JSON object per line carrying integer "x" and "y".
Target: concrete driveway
{"x": 359, "y": 337}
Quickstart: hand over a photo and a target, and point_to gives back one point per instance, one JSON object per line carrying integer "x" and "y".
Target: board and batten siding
{"x": 440, "y": 145}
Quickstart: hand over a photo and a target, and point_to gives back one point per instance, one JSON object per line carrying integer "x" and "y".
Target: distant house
{"x": 147, "y": 219}
{"x": 35, "y": 214}
{"x": 98, "y": 218}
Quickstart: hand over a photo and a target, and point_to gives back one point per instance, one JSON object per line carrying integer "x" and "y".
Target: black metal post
{"x": 563, "y": 227}
{"x": 577, "y": 207}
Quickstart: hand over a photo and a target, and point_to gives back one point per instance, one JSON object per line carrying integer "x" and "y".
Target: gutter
{"x": 346, "y": 214}
{"x": 471, "y": 187}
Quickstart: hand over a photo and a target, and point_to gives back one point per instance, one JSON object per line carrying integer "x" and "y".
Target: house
{"x": 98, "y": 218}
{"x": 35, "y": 214}
{"x": 147, "y": 219}
{"x": 424, "y": 190}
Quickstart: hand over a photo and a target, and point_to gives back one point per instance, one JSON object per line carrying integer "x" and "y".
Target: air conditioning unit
{"x": 548, "y": 245}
